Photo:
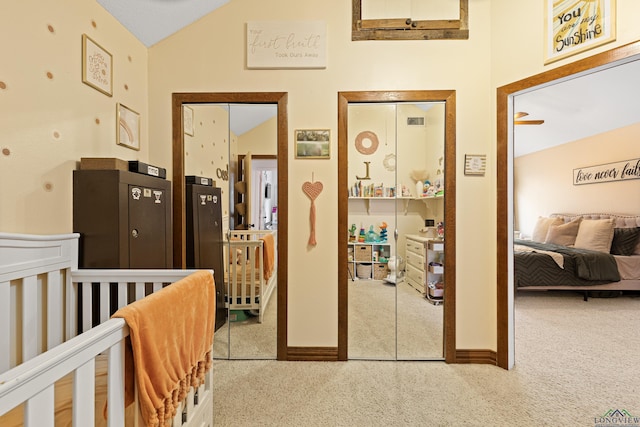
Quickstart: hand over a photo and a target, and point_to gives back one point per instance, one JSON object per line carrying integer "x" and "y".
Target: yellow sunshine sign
{"x": 573, "y": 26}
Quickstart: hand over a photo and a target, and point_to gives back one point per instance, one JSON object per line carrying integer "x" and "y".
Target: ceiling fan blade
{"x": 520, "y": 115}
{"x": 528, "y": 122}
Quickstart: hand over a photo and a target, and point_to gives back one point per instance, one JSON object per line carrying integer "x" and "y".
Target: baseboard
{"x": 480, "y": 357}
{"x": 317, "y": 354}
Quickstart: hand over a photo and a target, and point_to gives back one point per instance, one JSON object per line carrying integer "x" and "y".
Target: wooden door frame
{"x": 503, "y": 169}
{"x": 449, "y": 98}
{"x": 179, "y": 220}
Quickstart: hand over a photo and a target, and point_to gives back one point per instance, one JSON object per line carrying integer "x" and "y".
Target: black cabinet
{"x": 124, "y": 219}
{"x": 204, "y": 242}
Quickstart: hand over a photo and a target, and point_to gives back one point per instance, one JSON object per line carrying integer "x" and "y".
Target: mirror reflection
{"x": 417, "y": 10}
{"x": 230, "y": 153}
{"x": 396, "y": 235}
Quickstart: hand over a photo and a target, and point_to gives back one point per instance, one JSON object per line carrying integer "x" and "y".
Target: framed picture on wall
{"x": 574, "y": 26}
{"x": 128, "y": 127}
{"x": 313, "y": 143}
{"x": 187, "y": 120}
{"x": 97, "y": 66}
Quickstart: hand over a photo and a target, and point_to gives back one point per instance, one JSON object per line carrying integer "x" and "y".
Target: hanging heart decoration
{"x": 312, "y": 190}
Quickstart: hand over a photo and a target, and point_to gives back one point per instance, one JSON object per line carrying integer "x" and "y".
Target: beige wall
{"x": 207, "y": 150}
{"x": 543, "y": 181}
{"x": 381, "y": 65}
{"x": 48, "y": 123}
{"x": 260, "y": 140}
{"x": 35, "y": 178}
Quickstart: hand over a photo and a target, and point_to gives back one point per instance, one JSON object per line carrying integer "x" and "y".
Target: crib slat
{"x": 5, "y": 331}
{"x": 139, "y": 290}
{"x": 54, "y": 309}
{"x": 104, "y": 301}
{"x": 115, "y": 385}
{"x": 87, "y": 309}
{"x": 83, "y": 394}
{"x": 71, "y": 304}
{"x": 29, "y": 317}
{"x": 157, "y": 286}
{"x": 122, "y": 294}
{"x": 39, "y": 410}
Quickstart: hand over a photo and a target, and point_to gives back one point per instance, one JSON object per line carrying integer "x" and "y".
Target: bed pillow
{"x": 595, "y": 234}
{"x": 624, "y": 241}
{"x": 564, "y": 234}
{"x": 541, "y": 228}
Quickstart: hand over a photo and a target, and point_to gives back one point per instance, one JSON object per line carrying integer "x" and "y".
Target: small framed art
{"x": 97, "y": 66}
{"x": 128, "y": 127}
{"x": 187, "y": 120}
{"x": 475, "y": 164}
{"x": 313, "y": 143}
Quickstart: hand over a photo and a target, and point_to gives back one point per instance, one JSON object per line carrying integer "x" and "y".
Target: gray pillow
{"x": 624, "y": 240}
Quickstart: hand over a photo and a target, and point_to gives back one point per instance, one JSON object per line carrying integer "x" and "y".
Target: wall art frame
{"x": 97, "y": 66}
{"x": 127, "y": 127}
{"x": 475, "y": 164}
{"x": 574, "y": 26}
{"x": 313, "y": 143}
{"x": 187, "y": 120}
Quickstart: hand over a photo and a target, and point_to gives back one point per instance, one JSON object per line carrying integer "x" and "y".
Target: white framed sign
{"x": 286, "y": 44}
{"x": 573, "y": 26}
{"x": 617, "y": 171}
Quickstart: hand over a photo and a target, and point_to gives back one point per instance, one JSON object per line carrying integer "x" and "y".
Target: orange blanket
{"x": 269, "y": 255}
{"x": 171, "y": 335}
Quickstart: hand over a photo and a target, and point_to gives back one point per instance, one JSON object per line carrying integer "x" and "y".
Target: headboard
{"x": 622, "y": 221}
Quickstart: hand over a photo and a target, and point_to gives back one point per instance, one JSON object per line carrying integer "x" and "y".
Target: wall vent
{"x": 415, "y": 121}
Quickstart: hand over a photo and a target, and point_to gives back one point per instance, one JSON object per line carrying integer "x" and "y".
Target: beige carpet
{"x": 249, "y": 339}
{"x": 372, "y": 325}
{"x": 575, "y": 361}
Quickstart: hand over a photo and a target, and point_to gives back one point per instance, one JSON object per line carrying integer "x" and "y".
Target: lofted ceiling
{"x": 574, "y": 109}
{"x": 153, "y": 20}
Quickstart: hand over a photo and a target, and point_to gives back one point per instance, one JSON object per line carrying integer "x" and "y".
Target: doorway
{"x": 345, "y": 99}
{"x": 279, "y": 100}
{"x": 505, "y": 111}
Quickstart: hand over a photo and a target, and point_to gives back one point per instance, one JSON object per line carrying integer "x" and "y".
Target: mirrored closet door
{"x": 395, "y": 247}
{"x": 236, "y": 147}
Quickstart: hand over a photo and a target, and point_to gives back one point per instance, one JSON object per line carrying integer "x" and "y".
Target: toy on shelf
{"x": 419, "y": 176}
{"x": 361, "y": 236}
{"x": 383, "y": 232}
{"x": 372, "y": 237}
{"x": 352, "y": 233}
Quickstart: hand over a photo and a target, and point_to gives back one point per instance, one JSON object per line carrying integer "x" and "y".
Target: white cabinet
{"x": 368, "y": 261}
{"x": 416, "y": 262}
{"x": 425, "y": 266}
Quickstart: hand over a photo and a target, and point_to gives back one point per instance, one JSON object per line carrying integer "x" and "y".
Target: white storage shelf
{"x": 405, "y": 200}
{"x": 435, "y": 274}
{"x": 368, "y": 261}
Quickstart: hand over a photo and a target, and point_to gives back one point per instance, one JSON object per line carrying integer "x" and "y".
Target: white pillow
{"x": 564, "y": 234}
{"x": 595, "y": 234}
{"x": 541, "y": 228}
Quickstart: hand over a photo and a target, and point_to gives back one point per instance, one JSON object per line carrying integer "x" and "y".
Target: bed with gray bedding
{"x": 547, "y": 266}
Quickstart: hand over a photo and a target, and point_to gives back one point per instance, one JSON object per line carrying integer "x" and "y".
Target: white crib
{"x": 41, "y": 350}
{"x": 249, "y": 284}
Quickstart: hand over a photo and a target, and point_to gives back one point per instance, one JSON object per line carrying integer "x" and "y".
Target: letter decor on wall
{"x": 286, "y": 44}
{"x": 618, "y": 171}
{"x": 573, "y": 26}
